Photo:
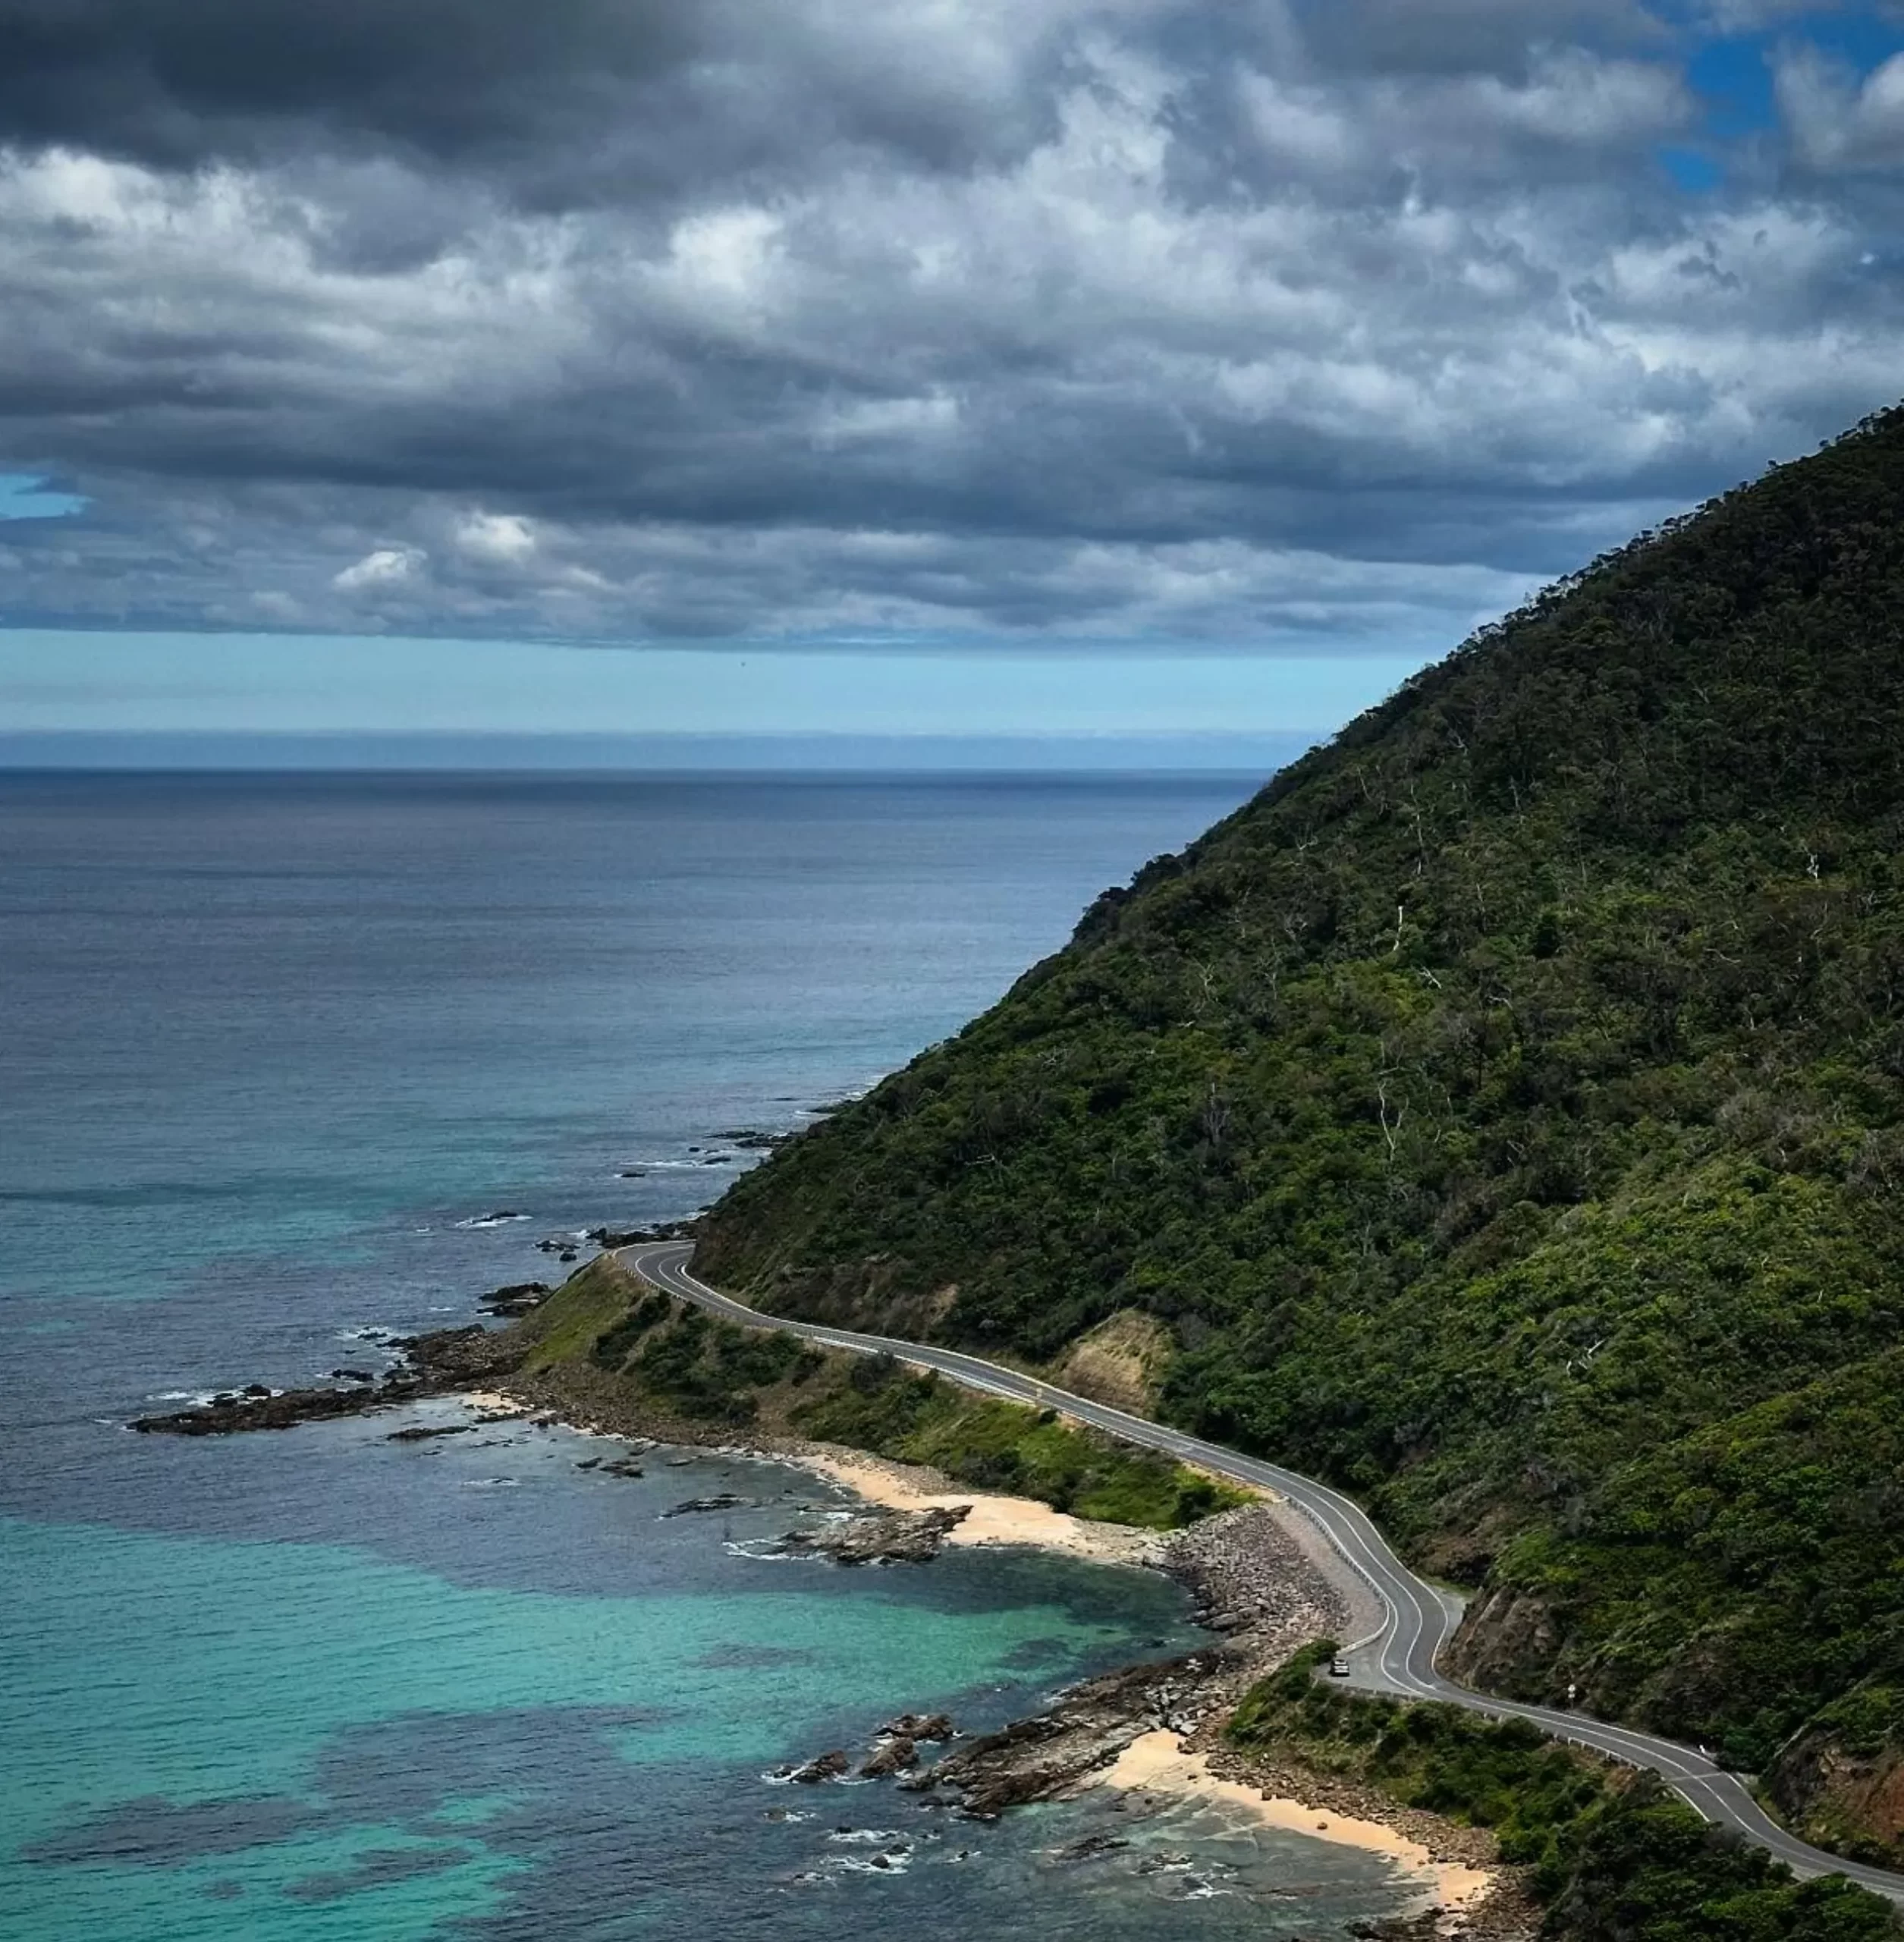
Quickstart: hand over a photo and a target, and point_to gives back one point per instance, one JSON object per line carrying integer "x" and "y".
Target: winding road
{"x": 1399, "y": 1656}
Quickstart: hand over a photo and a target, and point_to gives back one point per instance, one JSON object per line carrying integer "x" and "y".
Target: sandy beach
{"x": 1155, "y": 1763}
{"x": 891, "y": 1486}
{"x": 993, "y": 1520}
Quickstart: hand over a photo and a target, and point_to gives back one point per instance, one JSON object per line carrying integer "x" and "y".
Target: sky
{"x": 1086, "y": 368}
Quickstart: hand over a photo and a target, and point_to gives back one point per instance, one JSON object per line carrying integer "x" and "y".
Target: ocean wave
{"x": 895, "y": 1861}
{"x": 504, "y": 1218}
{"x": 764, "y": 1551}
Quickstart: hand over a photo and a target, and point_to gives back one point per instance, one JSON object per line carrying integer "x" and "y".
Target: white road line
{"x": 1347, "y": 1527}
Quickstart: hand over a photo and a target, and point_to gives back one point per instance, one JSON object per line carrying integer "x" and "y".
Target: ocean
{"x": 287, "y": 1060}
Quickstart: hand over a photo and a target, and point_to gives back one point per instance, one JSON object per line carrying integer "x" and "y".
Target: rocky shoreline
{"x": 1251, "y": 1576}
{"x": 1246, "y": 1578}
{"x": 441, "y": 1363}
{"x": 1252, "y": 1573}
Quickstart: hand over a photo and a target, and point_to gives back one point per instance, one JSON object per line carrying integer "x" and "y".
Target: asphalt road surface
{"x": 1399, "y": 1657}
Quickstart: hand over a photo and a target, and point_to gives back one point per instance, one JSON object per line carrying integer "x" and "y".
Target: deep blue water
{"x": 271, "y": 1050}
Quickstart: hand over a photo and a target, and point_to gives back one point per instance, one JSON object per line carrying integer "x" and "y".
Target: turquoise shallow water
{"x": 274, "y": 1048}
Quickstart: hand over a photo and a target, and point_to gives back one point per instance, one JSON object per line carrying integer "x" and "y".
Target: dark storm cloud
{"x": 566, "y": 101}
{"x": 1269, "y": 322}
{"x": 176, "y": 83}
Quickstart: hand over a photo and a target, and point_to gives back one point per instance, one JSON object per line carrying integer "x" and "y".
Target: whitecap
{"x": 897, "y": 1862}
{"x": 492, "y": 1483}
{"x": 501, "y": 1220}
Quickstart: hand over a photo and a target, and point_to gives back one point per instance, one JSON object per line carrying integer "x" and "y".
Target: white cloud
{"x": 496, "y": 539}
{"x": 1838, "y": 121}
{"x": 1041, "y": 316}
{"x": 384, "y": 567}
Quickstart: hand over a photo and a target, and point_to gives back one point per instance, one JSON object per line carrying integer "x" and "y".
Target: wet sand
{"x": 1153, "y": 1763}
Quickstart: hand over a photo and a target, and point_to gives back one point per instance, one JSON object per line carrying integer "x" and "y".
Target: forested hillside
{"x": 1502, "y": 1113}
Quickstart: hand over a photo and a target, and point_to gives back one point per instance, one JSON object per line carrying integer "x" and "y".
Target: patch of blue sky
{"x": 1731, "y": 72}
{"x": 1732, "y": 78}
{"x": 53, "y": 680}
{"x": 1694, "y": 170}
{"x": 26, "y": 495}
{"x": 1861, "y": 37}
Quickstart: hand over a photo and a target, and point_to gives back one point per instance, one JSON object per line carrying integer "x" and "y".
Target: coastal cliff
{"x": 1502, "y": 1115}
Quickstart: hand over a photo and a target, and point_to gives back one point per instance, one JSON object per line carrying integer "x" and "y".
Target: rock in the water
{"x": 823, "y": 1767}
{"x": 889, "y": 1537}
{"x": 623, "y": 1466}
{"x": 897, "y": 1755}
{"x": 1085, "y": 1730}
{"x": 1091, "y": 1847}
{"x": 425, "y": 1432}
{"x": 722, "y": 1500}
{"x": 918, "y": 1726}
{"x": 517, "y": 1298}
{"x": 445, "y": 1360}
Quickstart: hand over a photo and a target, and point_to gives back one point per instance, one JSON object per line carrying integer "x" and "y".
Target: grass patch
{"x": 1006, "y": 1447}
{"x": 567, "y": 1326}
{"x": 678, "y": 1360}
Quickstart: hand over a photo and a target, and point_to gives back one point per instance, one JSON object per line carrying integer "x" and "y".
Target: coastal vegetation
{"x": 620, "y": 1344}
{"x": 1502, "y": 1117}
{"x": 1611, "y": 1854}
